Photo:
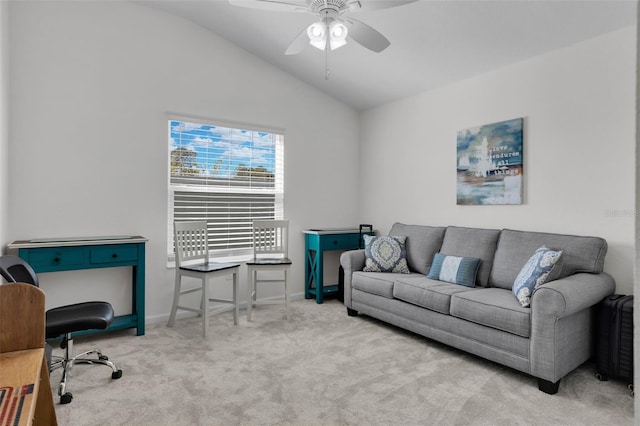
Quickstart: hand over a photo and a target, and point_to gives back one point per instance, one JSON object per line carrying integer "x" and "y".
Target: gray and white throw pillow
{"x": 385, "y": 254}
{"x": 535, "y": 273}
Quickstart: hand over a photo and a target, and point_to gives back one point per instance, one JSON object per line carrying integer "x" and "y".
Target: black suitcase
{"x": 614, "y": 340}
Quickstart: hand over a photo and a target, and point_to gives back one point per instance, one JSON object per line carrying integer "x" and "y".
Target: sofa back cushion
{"x": 472, "y": 242}
{"x": 579, "y": 254}
{"x": 421, "y": 244}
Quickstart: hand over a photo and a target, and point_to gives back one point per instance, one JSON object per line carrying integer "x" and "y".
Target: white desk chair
{"x": 192, "y": 245}
{"x": 270, "y": 253}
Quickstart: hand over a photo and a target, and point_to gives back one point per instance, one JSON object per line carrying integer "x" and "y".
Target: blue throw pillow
{"x": 454, "y": 269}
{"x": 385, "y": 254}
{"x": 535, "y": 273}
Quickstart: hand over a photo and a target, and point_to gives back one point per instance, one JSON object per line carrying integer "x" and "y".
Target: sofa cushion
{"x": 385, "y": 254}
{"x": 579, "y": 254}
{"x": 536, "y": 272}
{"x": 422, "y": 243}
{"x": 454, "y": 269}
{"x": 473, "y": 242}
{"x": 376, "y": 282}
{"x": 492, "y": 307}
{"x": 430, "y": 294}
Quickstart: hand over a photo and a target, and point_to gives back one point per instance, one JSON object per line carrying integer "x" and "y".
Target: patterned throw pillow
{"x": 454, "y": 269}
{"x": 385, "y": 254}
{"x": 535, "y": 273}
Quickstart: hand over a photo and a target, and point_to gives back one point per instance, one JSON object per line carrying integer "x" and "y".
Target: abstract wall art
{"x": 489, "y": 164}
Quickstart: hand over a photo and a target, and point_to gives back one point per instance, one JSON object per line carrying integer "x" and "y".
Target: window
{"x": 227, "y": 176}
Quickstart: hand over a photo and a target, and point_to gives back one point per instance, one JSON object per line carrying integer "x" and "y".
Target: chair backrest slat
{"x": 270, "y": 238}
{"x": 191, "y": 241}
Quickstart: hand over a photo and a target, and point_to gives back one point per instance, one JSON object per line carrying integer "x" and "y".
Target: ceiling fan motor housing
{"x": 335, "y": 6}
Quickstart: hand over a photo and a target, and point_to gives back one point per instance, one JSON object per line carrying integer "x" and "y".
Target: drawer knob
{"x": 114, "y": 255}
{"x": 335, "y": 241}
{"x": 56, "y": 260}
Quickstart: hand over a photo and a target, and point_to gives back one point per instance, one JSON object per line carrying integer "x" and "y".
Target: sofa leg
{"x": 548, "y": 387}
{"x": 352, "y": 312}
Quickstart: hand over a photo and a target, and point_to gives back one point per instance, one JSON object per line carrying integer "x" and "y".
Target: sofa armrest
{"x": 351, "y": 261}
{"x": 572, "y": 294}
{"x": 562, "y": 323}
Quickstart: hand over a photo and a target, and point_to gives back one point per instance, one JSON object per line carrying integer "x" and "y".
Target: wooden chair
{"x": 23, "y": 363}
{"x": 192, "y": 260}
{"x": 270, "y": 253}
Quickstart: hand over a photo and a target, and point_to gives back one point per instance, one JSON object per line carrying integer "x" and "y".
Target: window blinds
{"x": 226, "y": 176}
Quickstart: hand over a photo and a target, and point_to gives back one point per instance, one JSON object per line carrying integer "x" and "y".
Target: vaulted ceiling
{"x": 433, "y": 42}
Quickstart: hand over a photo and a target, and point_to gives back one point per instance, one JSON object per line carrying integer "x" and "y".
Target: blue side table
{"x": 316, "y": 242}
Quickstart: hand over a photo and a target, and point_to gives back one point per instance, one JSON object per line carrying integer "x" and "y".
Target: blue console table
{"x": 317, "y": 241}
{"x": 70, "y": 254}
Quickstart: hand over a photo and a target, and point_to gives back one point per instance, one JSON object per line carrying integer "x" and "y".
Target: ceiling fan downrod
{"x": 326, "y": 49}
{"x": 326, "y": 64}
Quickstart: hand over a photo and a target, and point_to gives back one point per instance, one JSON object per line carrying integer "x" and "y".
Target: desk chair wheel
{"x": 116, "y": 374}
{"x": 66, "y": 398}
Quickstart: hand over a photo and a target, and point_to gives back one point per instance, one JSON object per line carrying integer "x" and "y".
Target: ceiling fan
{"x": 335, "y": 26}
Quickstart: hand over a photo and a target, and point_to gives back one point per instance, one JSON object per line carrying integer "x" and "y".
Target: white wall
{"x": 4, "y": 120}
{"x": 578, "y": 105}
{"x": 92, "y": 82}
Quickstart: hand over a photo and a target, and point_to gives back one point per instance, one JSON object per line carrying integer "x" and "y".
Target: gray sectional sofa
{"x": 547, "y": 340}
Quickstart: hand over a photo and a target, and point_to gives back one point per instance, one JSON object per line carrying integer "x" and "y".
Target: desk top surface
{"x": 19, "y": 376}
{"x": 331, "y": 231}
{"x": 76, "y": 241}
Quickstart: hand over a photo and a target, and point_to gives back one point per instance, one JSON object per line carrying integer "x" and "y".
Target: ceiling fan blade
{"x": 274, "y": 5}
{"x": 364, "y": 5}
{"x": 366, "y": 36}
{"x": 298, "y": 43}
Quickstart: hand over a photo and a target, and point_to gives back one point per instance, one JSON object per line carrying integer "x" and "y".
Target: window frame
{"x": 277, "y": 191}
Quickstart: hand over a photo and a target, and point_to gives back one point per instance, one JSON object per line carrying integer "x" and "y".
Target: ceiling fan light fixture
{"x": 317, "y": 33}
{"x": 337, "y": 35}
{"x": 327, "y": 33}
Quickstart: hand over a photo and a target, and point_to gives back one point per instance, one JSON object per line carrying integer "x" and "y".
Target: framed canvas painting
{"x": 489, "y": 164}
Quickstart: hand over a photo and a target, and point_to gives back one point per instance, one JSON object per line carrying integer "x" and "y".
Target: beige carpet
{"x": 320, "y": 368}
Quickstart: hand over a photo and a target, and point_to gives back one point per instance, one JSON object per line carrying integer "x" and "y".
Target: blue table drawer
{"x": 340, "y": 242}
{"x": 113, "y": 254}
{"x": 60, "y": 256}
